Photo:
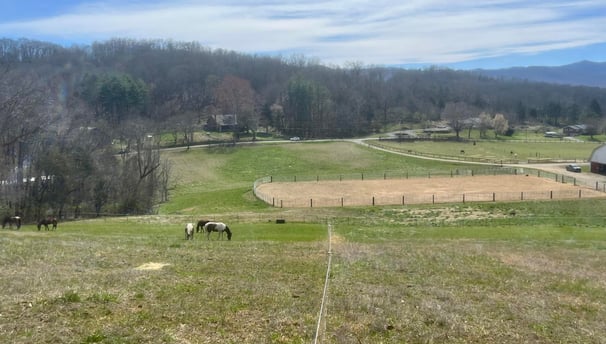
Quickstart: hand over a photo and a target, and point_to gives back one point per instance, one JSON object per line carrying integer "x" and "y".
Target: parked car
{"x": 295, "y": 138}
{"x": 573, "y": 168}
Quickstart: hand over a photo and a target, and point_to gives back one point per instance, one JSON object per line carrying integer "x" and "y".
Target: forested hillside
{"x": 62, "y": 108}
{"x": 585, "y": 73}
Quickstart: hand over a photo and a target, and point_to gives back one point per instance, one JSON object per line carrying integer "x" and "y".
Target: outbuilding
{"x": 598, "y": 160}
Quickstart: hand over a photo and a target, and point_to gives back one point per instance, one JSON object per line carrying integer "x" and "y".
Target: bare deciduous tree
{"x": 235, "y": 96}
{"x": 21, "y": 121}
{"x": 500, "y": 124}
{"x": 485, "y": 124}
{"x": 456, "y": 114}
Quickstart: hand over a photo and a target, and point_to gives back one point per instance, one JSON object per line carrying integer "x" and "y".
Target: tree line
{"x": 63, "y": 108}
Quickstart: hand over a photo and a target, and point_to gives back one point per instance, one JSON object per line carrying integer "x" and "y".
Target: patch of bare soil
{"x": 151, "y": 266}
{"x": 419, "y": 190}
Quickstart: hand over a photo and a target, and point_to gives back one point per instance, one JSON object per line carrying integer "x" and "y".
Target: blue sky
{"x": 461, "y": 34}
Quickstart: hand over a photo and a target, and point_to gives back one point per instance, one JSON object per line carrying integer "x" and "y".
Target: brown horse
{"x": 200, "y": 226}
{"x": 10, "y": 221}
{"x": 48, "y": 221}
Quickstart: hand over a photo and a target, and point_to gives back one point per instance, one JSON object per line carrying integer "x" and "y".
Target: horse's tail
{"x": 228, "y": 231}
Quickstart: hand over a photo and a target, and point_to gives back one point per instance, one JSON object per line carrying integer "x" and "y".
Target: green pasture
{"x": 220, "y": 179}
{"x": 502, "y": 150}
{"x": 516, "y": 272}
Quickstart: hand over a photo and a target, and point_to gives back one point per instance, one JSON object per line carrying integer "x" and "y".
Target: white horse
{"x": 217, "y": 227}
{"x": 189, "y": 231}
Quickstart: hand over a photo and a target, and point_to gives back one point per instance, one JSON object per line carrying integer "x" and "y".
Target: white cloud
{"x": 373, "y": 32}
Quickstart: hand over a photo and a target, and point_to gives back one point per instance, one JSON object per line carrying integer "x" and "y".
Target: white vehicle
{"x": 295, "y": 138}
{"x": 573, "y": 168}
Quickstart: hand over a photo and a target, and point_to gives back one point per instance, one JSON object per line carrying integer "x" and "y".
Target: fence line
{"x": 322, "y": 312}
{"x": 433, "y": 198}
{"x": 402, "y": 174}
{"x": 508, "y": 161}
{"x": 592, "y": 190}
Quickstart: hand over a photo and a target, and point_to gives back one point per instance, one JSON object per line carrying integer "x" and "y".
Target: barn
{"x": 598, "y": 160}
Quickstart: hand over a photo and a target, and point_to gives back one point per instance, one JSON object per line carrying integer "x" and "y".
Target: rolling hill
{"x": 583, "y": 73}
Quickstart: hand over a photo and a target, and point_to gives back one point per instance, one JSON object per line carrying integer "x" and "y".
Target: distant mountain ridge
{"x": 583, "y": 73}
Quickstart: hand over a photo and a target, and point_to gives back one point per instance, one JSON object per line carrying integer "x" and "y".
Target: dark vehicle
{"x": 573, "y": 168}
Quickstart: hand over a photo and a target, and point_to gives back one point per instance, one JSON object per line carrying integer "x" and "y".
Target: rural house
{"x": 221, "y": 123}
{"x": 598, "y": 160}
{"x": 572, "y": 130}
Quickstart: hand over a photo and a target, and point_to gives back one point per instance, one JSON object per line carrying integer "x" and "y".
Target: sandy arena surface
{"x": 423, "y": 190}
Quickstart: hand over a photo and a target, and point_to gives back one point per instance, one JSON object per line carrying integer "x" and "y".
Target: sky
{"x": 458, "y": 34}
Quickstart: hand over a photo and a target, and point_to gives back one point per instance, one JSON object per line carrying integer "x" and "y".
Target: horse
{"x": 10, "y": 221}
{"x": 217, "y": 227}
{"x": 200, "y": 225}
{"x": 46, "y": 222}
{"x": 189, "y": 231}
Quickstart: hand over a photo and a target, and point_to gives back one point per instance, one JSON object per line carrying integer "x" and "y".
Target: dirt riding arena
{"x": 419, "y": 191}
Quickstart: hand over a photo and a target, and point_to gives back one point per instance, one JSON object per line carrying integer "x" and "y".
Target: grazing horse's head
{"x": 228, "y": 231}
{"x": 189, "y": 231}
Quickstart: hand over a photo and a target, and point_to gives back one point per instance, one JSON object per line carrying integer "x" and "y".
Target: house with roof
{"x": 221, "y": 123}
{"x": 573, "y": 130}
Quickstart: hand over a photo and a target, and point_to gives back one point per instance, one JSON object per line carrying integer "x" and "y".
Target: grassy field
{"x": 521, "y": 272}
{"x": 521, "y": 150}
{"x": 219, "y": 180}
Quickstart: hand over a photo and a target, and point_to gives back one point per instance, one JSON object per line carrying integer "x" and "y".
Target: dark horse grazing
{"x": 46, "y": 222}
{"x": 200, "y": 225}
{"x": 189, "y": 231}
{"x": 217, "y": 227}
{"x": 10, "y": 221}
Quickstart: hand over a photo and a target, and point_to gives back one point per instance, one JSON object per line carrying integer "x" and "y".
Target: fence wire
{"x": 322, "y": 312}
{"x": 587, "y": 190}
